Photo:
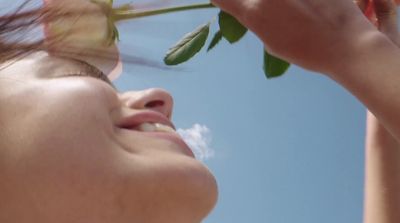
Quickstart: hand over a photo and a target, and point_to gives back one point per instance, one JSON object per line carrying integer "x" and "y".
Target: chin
{"x": 204, "y": 183}
{"x": 199, "y": 193}
{"x": 196, "y": 186}
{"x": 174, "y": 188}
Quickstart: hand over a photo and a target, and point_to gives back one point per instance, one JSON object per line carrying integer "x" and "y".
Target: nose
{"x": 154, "y": 99}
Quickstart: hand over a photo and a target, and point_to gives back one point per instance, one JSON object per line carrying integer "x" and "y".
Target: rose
{"x": 83, "y": 29}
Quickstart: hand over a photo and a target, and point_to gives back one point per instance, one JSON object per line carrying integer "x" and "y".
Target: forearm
{"x": 382, "y": 183}
{"x": 372, "y": 74}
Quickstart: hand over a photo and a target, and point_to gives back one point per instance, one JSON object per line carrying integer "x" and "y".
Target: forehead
{"x": 42, "y": 65}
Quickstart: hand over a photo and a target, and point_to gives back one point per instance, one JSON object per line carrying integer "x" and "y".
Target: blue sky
{"x": 286, "y": 150}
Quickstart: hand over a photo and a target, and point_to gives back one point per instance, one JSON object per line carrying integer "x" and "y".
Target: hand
{"x": 316, "y": 34}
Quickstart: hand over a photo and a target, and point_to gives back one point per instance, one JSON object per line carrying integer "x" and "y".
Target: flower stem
{"x": 131, "y": 14}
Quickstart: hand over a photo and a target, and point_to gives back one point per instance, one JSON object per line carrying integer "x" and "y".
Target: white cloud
{"x": 198, "y": 138}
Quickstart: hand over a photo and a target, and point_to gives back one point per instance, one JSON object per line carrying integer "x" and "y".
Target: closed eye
{"x": 90, "y": 71}
{"x": 100, "y": 76}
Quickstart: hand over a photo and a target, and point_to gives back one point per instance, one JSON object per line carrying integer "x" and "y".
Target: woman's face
{"x": 72, "y": 149}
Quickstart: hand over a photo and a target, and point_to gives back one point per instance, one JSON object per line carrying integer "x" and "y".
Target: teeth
{"x": 154, "y": 127}
{"x": 163, "y": 128}
{"x": 147, "y": 127}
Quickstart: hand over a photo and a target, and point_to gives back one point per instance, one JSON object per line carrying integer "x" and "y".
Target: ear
{"x": 84, "y": 34}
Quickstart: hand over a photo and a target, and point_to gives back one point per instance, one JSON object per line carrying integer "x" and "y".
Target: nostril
{"x": 153, "y": 99}
{"x": 155, "y": 103}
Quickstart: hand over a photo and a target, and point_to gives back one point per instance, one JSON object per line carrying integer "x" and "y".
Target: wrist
{"x": 371, "y": 73}
{"x": 360, "y": 54}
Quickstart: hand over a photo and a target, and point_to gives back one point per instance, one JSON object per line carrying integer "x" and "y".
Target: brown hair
{"x": 21, "y": 33}
{"x": 19, "y": 30}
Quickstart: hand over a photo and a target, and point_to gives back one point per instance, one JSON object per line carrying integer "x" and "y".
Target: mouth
{"x": 154, "y": 124}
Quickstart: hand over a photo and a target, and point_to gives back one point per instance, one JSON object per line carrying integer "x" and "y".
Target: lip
{"x": 130, "y": 122}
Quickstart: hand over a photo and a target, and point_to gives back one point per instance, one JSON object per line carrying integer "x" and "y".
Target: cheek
{"x": 61, "y": 119}
{"x": 72, "y": 114}
{"x": 78, "y": 105}
{"x": 53, "y": 111}
{"x": 59, "y": 158}
{"x": 74, "y": 122}
{"x": 62, "y": 183}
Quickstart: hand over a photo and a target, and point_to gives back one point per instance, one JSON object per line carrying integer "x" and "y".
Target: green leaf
{"x": 232, "y": 30}
{"x": 273, "y": 66}
{"x": 217, "y": 37}
{"x": 188, "y": 46}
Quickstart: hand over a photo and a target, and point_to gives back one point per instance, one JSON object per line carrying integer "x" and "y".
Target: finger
{"x": 234, "y": 7}
{"x": 370, "y": 12}
{"x": 362, "y": 4}
{"x": 386, "y": 14}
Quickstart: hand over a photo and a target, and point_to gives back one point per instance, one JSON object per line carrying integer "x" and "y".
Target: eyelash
{"x": 89, "y": 71}
{"x": 99, "y": 75}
